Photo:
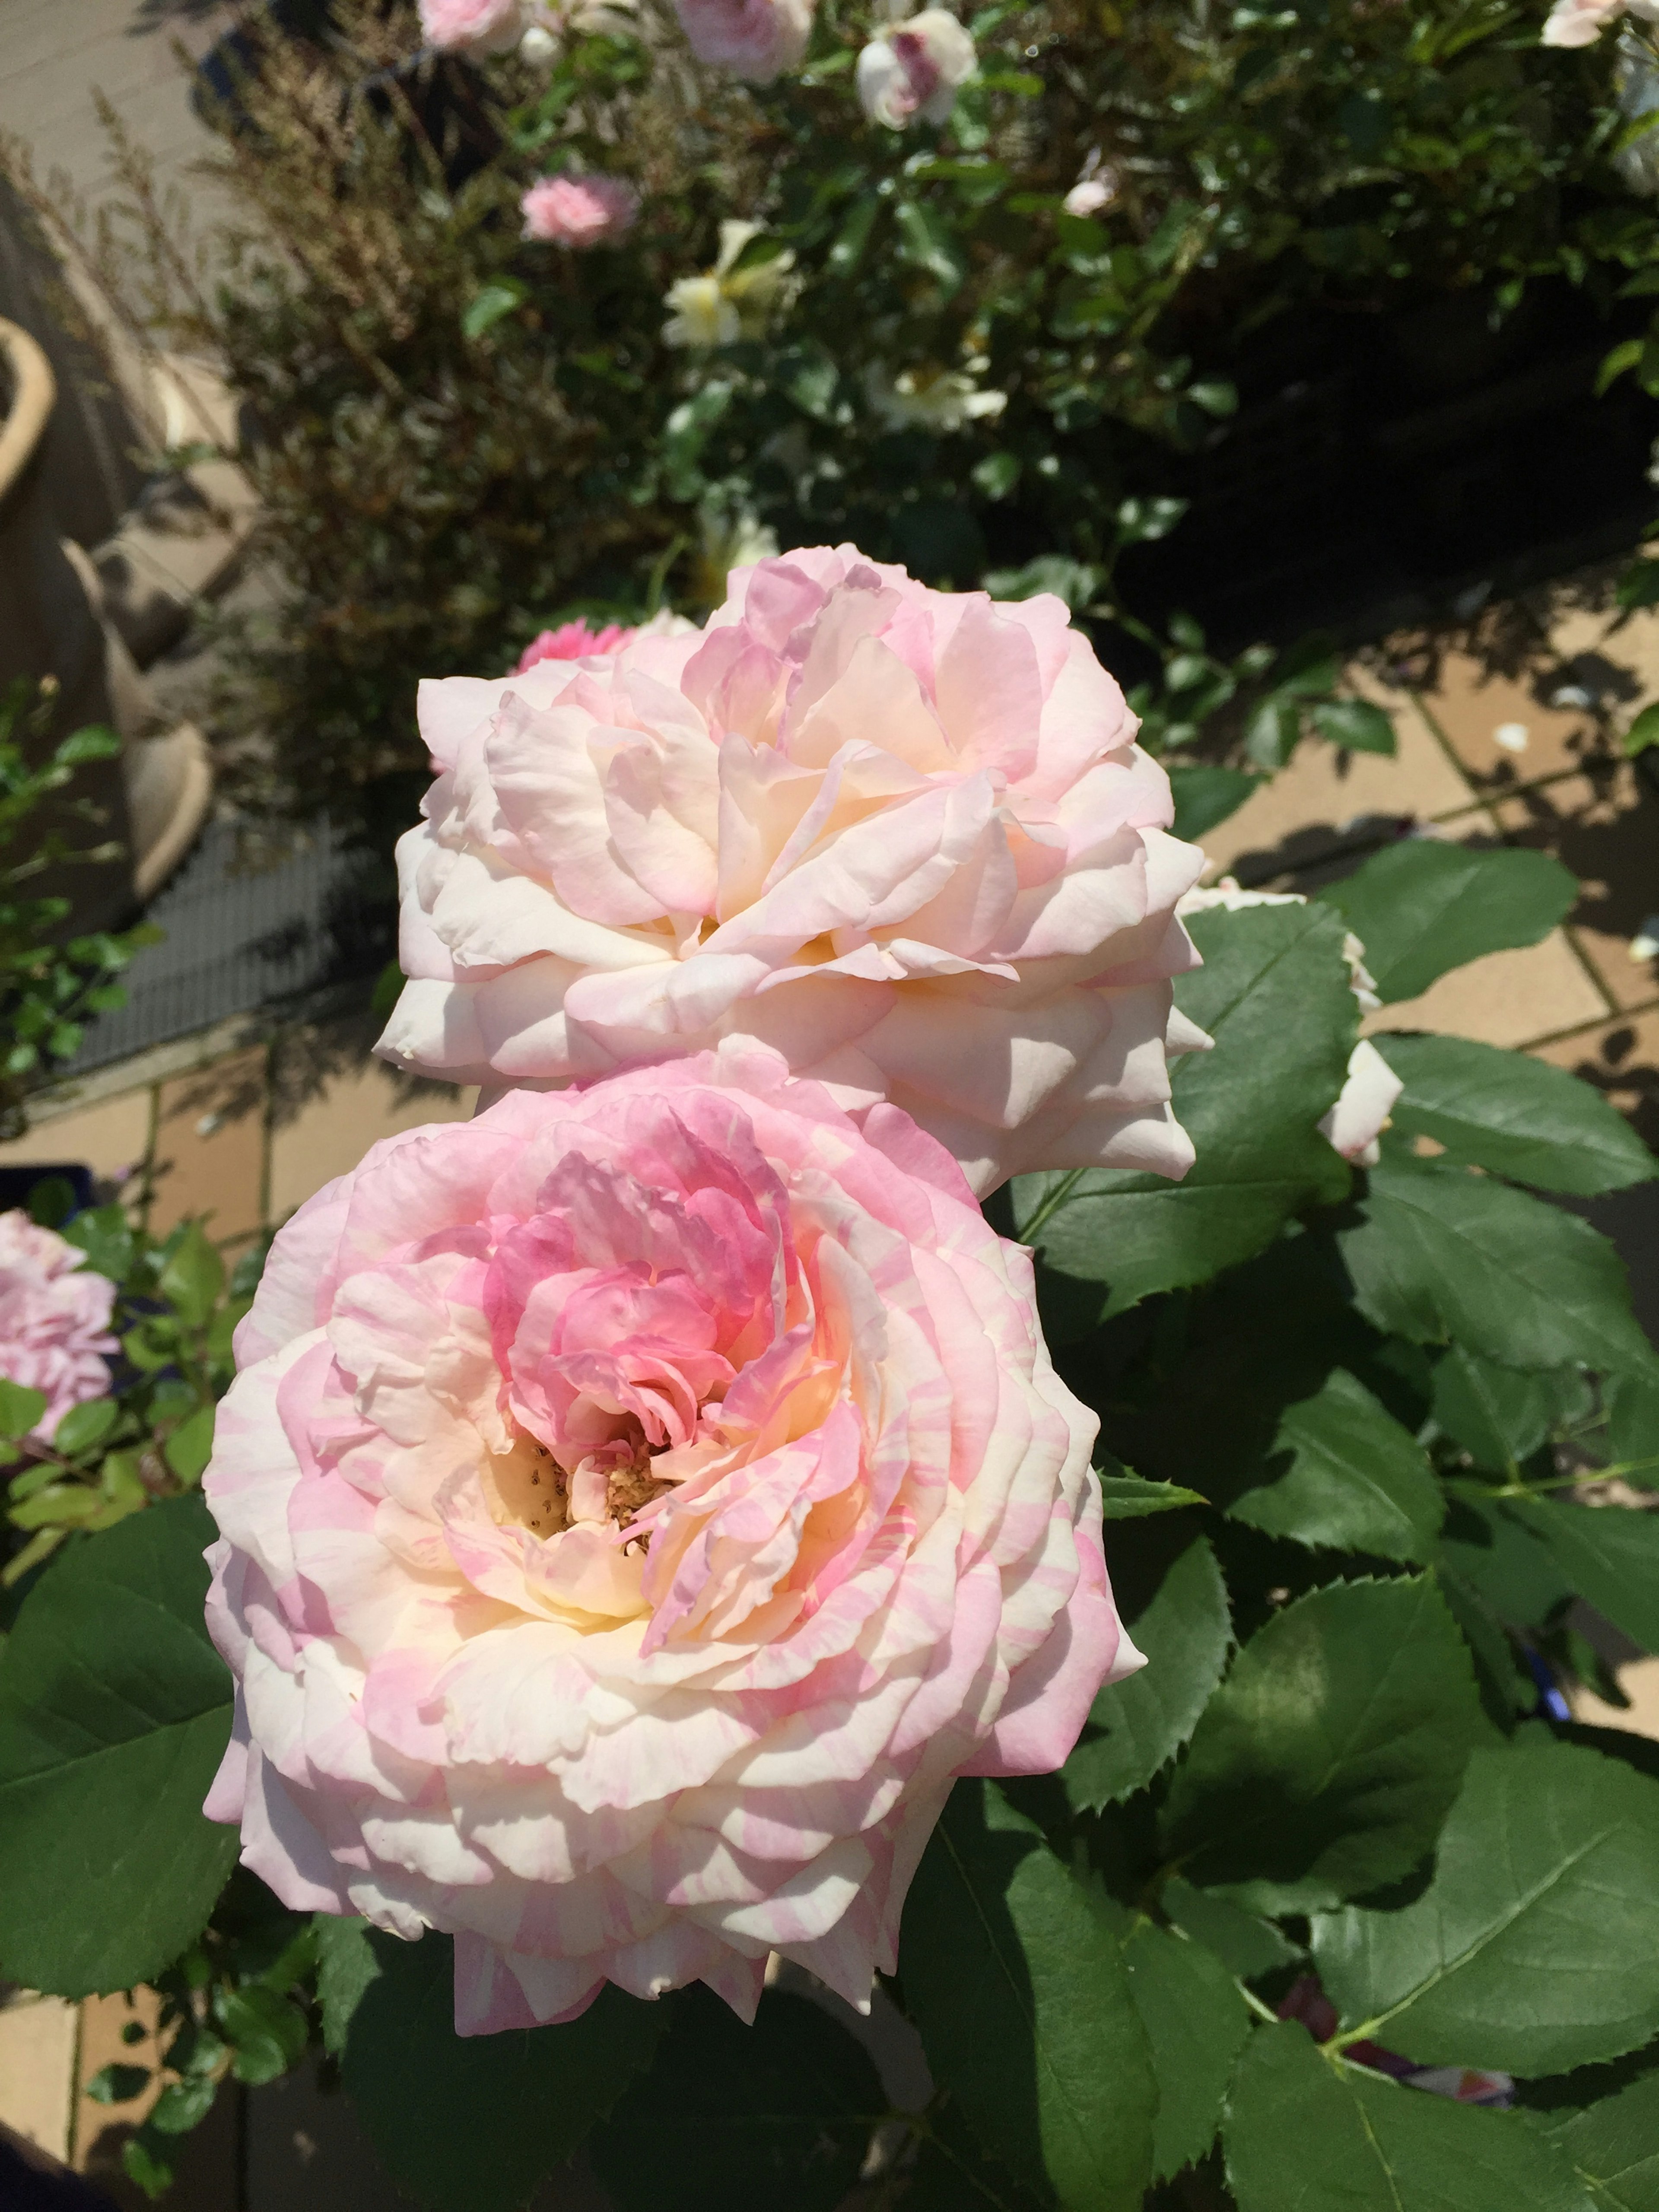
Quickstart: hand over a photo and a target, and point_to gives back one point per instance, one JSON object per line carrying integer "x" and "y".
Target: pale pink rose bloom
{"x": 638, "y": 1505}
{"x": 1579, "y": 23}
{"x": 579, "y": 211}
{"x": 915, "y": 68}
{"x": 904, "y": 835}
{"x": 473, "y": 26}
{"x": 1368, "y": 1096}
{"x": 756, "y": 39}
{"x": 54, "y": 1319}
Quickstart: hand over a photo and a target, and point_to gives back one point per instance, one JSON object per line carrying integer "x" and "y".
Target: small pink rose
{"x": 579, "y": 211}
{"x": 756, "y": 39}
{"x": 638, "y": 1504}
{"x": 54, "y": 1319}
{"x": 573, "y": 641}
{"x": 1579, "y": 23}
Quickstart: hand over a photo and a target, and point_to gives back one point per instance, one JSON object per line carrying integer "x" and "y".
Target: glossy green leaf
{"x": 117, "y": 2084}
{"x": 1610, "y": 1555}
{"x": 1324, "y": 1763}
{"x": 1196, "y": 2023}
{"x": 1013, "y": 1974}
{"x": 1206, "y": 794}
{"x": 193, "y": 1278}
{"x": 1438, "y": 1253}
{"x": 777, "y": 2117}
{"x": 1500, "y": 1415}
{"x": 1614, "y": 2148}
{"x": 474, "y": 2123}
{"x": 1633, "y": 1403}
{"x": 1535, "y": 1945}
{"x": 1494, "y": 1551}
{"x": 1356, "y": 725}
{"x": 1247, "y": 1946}
{"x": 1517, "y": 1116}
{"x": 114, "y": 1714}
{"x": 1344, "y": 1473}
{"x": 1174, "y": 1604}
{"x": 490, "y": 303}
{"x": 20, "y": 1409}
{"x": 1421, "y": 907}
{"x": 1305, "y": 2133}
{"x": 267, "y": 2034}
{"x": 190, "y": 1447}
{"x": 1274, "y": 993}
{"x": 85, "y": 1427}
{"x": 1131, "y": 1497}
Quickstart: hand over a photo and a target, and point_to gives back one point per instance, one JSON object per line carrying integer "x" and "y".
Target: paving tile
{"x": 110, "y": 1137}
{"x": 37, "y": 2070}
{"x": 1639, "y": 1680}
{"x": 1501, "y": 726}
{"x": 1604, "y": 826}
{"x": 1507, "y": 998}
{"x": 350, "y": 1102}
{"x": 1326, "y": 800}
{"x": 211, "y": 1147}
{"x": 208, "y": 2159}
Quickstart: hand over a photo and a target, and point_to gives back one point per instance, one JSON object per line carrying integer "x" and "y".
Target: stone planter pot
{"x": 155, "y": 794}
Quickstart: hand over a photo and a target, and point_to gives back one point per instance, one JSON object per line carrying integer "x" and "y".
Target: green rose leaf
{"x": 1246, "y": 1945}
{"x": 1173, "y": 1601}
{"x": 1420, "y": 908}
{"x": 1438, "y": 1253}
{"x": 1324, "y": 1763}
{"x": 1274, "y": 993}
{"x": 1609, "y": 1553}
{"x": 193, "y": 1278}
{"x": 1491, "y": 1547}
{"x": 1012, "y": 1973}
{"x": 1305, "y": 2131}
{"x": 1356, "y": 725}
{"x": 1206, "y": 794}
{"x": 1131, "y": 1497}
{"x": 1518, "y": 1117}
{"x": 778, "y": 2114}
{"x": 1196, "y": 2023}
{"x": 1536, "y": 1946}
{"x": 85, "y": 1427}
{"x": 20, "y": 1409}
{"x": 1344, "y": 1472}
{"x": 114, "y": 1714}
{"x": 473, "y": 2123}
{"x": 190, "y": 1447}
{"x": 1500, "y": 1415}
{"x": 1613, "y": 2147}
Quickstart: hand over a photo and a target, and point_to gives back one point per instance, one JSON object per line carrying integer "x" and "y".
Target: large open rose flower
{"x": 903, "y": 835}
{"x": 638, "y": 1504}
{"x": 54, "y": 1319}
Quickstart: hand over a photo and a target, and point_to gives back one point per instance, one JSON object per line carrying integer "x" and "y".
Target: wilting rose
{"x": 579, "y": 211}
{"x": 756, "y": 39}
{"x": 1361, "y": 1113}
{"x": 54, "y": 1319}
{"x": 638, "y": 1504}
{"x": 913, "y": 69}
{"x": 904, "y": 835}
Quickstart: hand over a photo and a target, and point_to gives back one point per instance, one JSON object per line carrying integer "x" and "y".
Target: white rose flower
{"x": 929, "y": 398}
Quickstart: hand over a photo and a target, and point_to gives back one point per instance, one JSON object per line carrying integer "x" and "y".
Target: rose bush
{"x": 638, "y": 1505}
{"x": 903, "y": 835}
{"x": 54, "y": 1321}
